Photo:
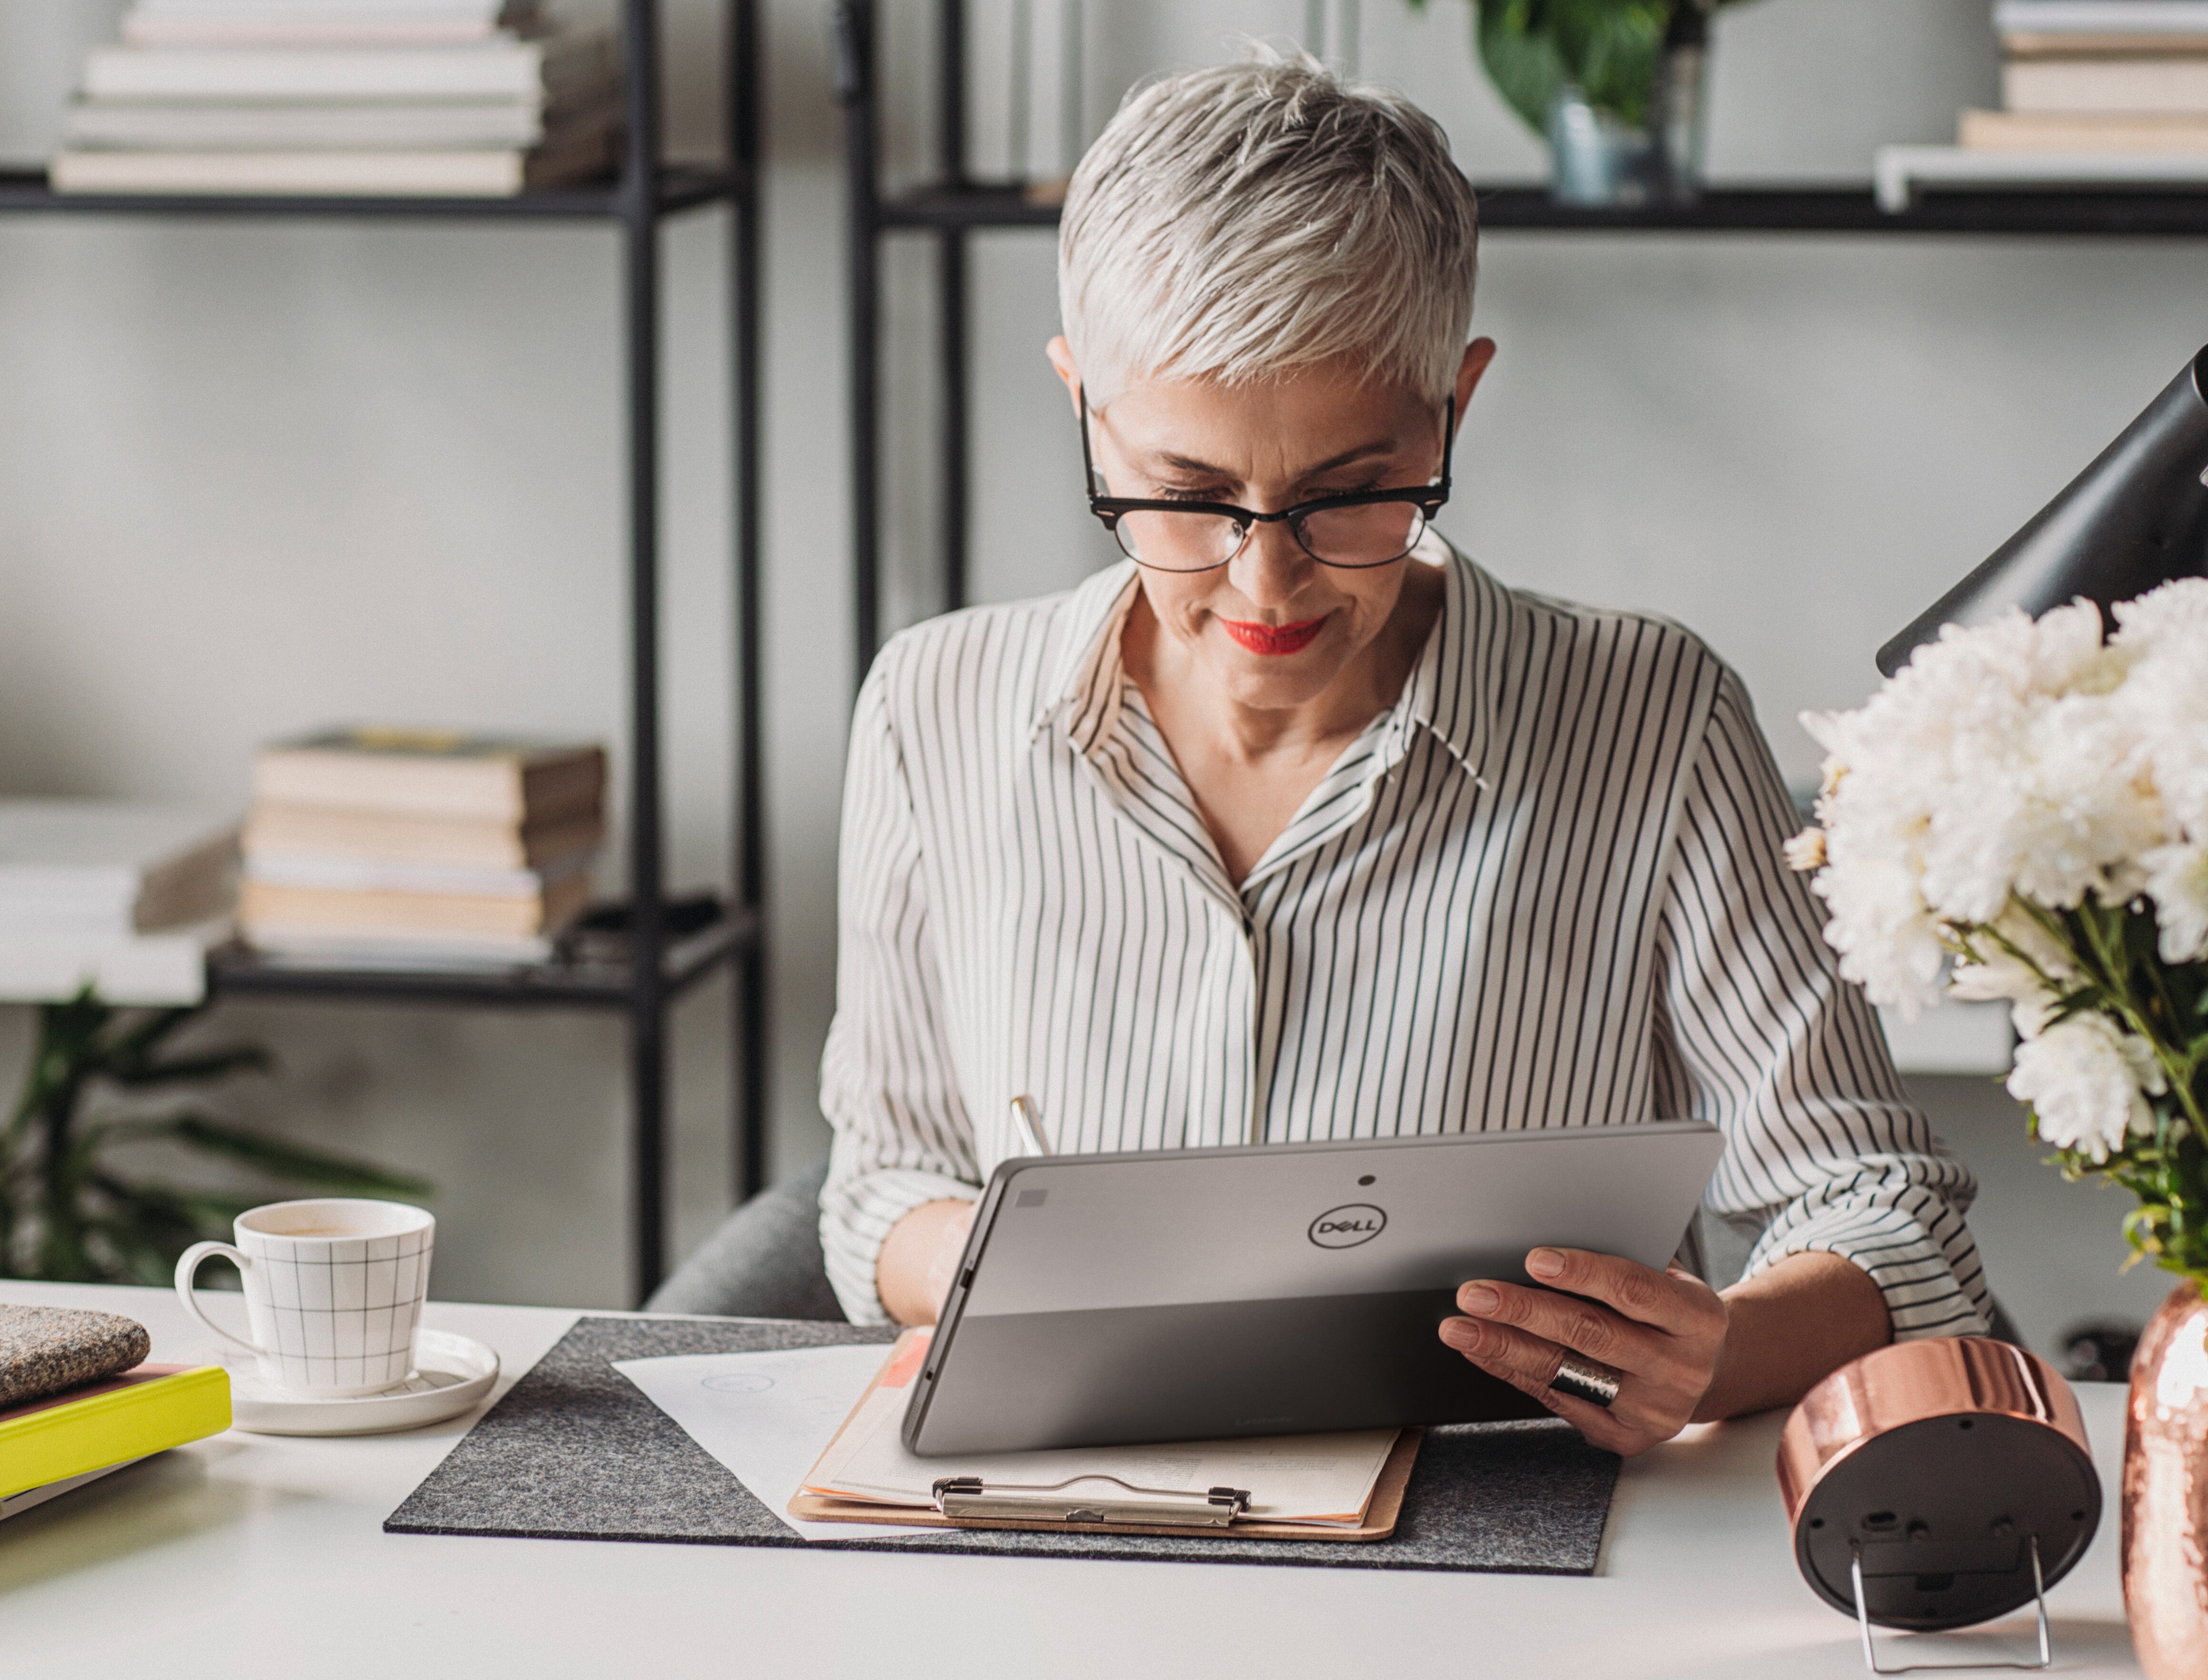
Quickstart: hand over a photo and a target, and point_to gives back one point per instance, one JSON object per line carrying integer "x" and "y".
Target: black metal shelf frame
{"x": 236, "y": 971}
{"x": 956, "y": 205}
{"x": 660, "y": 968}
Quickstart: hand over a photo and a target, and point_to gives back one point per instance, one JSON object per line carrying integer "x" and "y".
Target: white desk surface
{"x": 254, "y": 1555}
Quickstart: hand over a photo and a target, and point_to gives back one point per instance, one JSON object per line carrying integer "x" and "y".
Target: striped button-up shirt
{"x": 1544, "y": 888}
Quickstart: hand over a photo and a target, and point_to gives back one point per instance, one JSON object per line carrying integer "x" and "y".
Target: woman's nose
{"x": 1272, "y": 566}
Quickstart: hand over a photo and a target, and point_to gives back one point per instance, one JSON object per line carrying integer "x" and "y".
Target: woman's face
{"x": 1272, "y": 627}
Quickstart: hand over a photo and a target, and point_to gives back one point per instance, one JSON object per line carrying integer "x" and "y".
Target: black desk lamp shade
{"x": 2134, "y": 520}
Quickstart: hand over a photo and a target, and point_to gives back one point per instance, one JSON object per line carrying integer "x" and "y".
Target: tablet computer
{"x": 1277, "y": 1289}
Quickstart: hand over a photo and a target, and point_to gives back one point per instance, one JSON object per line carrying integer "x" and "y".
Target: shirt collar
{"x": 1451, "y": 694}
{"x": 1082, "y": 686}
{"x": 1453, "y": 690}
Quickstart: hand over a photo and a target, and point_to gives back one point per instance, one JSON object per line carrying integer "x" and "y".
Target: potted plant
{"x": 2021, "y": 814}
{"x": 69, "y": 1212}
{"x": 1614, "y": 87}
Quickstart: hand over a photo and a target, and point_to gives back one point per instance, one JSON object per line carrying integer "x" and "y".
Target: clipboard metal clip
{"x": 970, "y": 1496}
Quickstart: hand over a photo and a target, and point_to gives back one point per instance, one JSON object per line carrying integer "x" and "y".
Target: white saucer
{"x": 450, "y": 1374}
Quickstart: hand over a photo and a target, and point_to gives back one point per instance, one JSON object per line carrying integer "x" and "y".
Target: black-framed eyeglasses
{"x": 1362, "y": 529}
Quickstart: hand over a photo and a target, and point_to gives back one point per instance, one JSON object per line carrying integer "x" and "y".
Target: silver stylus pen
{"x": 1027, "y": 1125}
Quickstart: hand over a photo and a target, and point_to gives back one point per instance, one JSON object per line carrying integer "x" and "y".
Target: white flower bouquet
{"x": 2021, "y": 814}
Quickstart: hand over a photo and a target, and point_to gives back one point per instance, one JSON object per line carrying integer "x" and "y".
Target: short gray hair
{"x": 1242, "y": 222}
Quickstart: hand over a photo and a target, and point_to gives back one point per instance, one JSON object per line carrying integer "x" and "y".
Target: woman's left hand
{"x": 1658, "y": 1333}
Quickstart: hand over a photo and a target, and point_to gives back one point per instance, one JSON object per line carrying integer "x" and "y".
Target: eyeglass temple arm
{"x": 1087, "y": 463}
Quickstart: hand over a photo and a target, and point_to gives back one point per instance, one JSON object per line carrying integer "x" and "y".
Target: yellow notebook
{"x": 146, "y": 1410}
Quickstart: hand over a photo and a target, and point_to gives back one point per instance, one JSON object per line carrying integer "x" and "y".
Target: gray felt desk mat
{"x": 576, "y": 1452}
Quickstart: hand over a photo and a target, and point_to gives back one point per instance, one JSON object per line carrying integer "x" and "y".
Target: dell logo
{"x": 1346, "y": 1227}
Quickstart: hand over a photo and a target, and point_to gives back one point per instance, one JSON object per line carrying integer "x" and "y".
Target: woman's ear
{"x": 1477, "y": 354}
{"x": 1061, "y": 361}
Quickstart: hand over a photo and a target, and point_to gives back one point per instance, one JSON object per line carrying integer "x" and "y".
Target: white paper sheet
{"x": 766, "y": 1417}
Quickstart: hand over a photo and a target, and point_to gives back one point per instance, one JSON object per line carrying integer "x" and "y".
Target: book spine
{"x": 59, "y": 1441}
{"x": 265, "y": 907}
{"x": 2101, "y": 17}
{"x": 503, "y": 70}
{"x": 465, "y": 791}
{"x": 259, "y": 30}
{"x": 280, "y": 831}
{"x": 467, "y": 174}
{"x": 2013, "y": 131}
{"x": 2111, "y": 86}
{"x": 317, "y": 126}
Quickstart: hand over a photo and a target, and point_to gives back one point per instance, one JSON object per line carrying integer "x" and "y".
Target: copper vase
{"x": 2166, "y": 1490}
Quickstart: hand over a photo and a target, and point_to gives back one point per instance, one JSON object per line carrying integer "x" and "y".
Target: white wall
{"x": 254, "y": 475}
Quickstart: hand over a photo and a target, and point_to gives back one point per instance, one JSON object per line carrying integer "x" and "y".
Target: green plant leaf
{"x": 127, "y": 1046}
{"x": 213, "y": 1065}
{"x": 144, "y": 1227}
{"x": 139, "y": 1247}
{"x": 1521, "y": 57}
{"x": 210, "y": 1212}
{"x": 1608, "y": 49}
{"x": 150, "y": 1223}
{"x": 65, "y": 1214}
{"x": 284, "y": 1159}
{"x": 1611, "y": 49}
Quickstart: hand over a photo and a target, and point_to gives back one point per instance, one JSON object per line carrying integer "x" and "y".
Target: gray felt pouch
{"x": 46, "y": 1349}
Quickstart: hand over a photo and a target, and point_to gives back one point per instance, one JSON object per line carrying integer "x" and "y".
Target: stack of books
{"x": 416, "y": 848}
{"x": 385, "y": 98}
{"x": 2125, "y": 77}
{"x": 124, "y": 898}
{"x": 77, "y": 1400}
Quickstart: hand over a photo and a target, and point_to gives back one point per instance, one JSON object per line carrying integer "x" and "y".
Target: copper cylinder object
{"x": 2165, "y": 1500}
{"x": 1937, "y": 1462}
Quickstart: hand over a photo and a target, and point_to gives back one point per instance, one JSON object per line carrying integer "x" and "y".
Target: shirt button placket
{"x": 1246, "y": 1018}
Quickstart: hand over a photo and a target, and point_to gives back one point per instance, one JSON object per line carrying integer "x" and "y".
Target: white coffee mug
{"x": 333, "y": 1288}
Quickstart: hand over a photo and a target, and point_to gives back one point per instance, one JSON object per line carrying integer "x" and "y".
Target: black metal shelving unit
{"x": 956, "y": 205}
{"x": 659, "y": 968}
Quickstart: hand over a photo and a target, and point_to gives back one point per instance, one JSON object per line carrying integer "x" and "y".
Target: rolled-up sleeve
{"x": 887, "y": 1087}
{"x": 1823, "y": 1151}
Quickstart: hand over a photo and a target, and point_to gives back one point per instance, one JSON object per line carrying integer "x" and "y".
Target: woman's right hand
{"x": 919, "y": 1260}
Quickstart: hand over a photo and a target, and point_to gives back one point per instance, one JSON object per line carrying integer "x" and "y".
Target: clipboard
{"x": 1084, "y": 1508}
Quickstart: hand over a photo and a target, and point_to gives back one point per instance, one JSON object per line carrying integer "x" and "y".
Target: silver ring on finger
{"x": 1583, "y": 1380}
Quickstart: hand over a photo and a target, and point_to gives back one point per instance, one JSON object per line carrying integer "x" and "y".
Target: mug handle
{"x": 188, "y": 1264}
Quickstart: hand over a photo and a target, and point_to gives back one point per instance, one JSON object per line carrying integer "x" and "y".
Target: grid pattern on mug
{"x": 346, "y": 1316}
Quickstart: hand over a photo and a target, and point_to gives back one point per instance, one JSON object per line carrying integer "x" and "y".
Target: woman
{"x": 1298, "y": 825}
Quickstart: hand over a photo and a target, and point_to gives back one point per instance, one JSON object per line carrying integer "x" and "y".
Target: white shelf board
{"x": 165, "y": 970}
{"x": 1898, "y": 172}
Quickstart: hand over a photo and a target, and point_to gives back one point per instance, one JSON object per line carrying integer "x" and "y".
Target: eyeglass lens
{"x": 1173, "y": 540}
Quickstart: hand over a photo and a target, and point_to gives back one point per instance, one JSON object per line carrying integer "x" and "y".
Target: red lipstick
{"x": 1273, "y": 638}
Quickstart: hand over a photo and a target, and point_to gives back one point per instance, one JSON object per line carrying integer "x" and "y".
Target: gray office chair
{"x": 765, "y": 1262}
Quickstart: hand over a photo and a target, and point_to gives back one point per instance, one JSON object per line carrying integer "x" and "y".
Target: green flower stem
{"x": 2121, "y": 975}
{"x": 2014, "y": 949}
{"x": 2082, "y": 935}
{"x": 2178, "y": 1069}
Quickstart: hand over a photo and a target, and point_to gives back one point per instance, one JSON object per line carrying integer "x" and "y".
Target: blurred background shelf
{"x": 2110, "y": 212}
{"x": 1851, "y": 209}
{"x": 584, "y": 982}
{"x": 668, "y": 963}
{"x": 956, "y": 205}
{"x": 680, "y": 187}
